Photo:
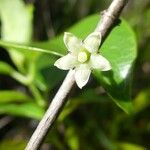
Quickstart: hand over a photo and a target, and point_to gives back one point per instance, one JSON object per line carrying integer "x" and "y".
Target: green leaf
{"x": 80, "y": 29}
{"x": 12, "y": 144}
{"x": 28, "y": 109}
{"x": 142, "y": 100}
{"x": 13, "y": 96}
{"x": 27, "y": 49}
{"x": 44, "y": 72}
{"x": 72, "y": 138}
{"x": 47, "y": 76}
{"x": 16, "y": 20}
{"x": 120, "y": 49}
{"x": 130, "y": 146}
{"x": 8, "y": 70}
{"x": 50, "y": 76}
{"x": 5, "y": 68}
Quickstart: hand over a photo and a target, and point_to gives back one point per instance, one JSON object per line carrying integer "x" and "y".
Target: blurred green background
{"x": 91, "y": 120}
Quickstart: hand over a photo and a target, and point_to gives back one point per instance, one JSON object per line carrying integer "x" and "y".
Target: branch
{"x": 110, "y": 16}
{"x": 108, "y": 20}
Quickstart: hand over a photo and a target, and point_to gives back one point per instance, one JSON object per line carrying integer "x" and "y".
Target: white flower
{"x": 83, "y": 57}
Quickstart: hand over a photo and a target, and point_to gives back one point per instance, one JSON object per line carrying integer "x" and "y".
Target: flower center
{"x": 83, "y": 56}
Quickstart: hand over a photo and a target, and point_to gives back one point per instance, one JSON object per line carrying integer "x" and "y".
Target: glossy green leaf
{"x": 8, "y": 96}
{"x": 47, "y": 76}
{"x": 28, "y": 109}
{"x": 16, "y": 20}
{"x": 50, "y": 76}
{"x": 119, "y": 48}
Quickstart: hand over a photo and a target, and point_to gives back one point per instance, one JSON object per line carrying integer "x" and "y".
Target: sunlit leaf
{"x": 28, "y": 109}
{"x": 120, "y": 49}
{"x": 16, "y": 20}
{"x": 5, "y": 68}
{"x": 27, "y": 49}
{"x": 8, "y": 96}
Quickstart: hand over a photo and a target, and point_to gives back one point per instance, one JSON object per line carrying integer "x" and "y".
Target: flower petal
{"x": 92, "y": 42}
{"x": 66, "y": 62}
{"x": 82, "y": 74}
{"x": 99, "y": 62}
{"x": 72, "y": 43}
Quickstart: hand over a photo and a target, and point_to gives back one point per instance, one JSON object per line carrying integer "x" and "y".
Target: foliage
{"x": 90, "y": 112}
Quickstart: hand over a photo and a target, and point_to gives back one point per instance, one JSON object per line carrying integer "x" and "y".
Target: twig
{"x": 110, "y": 16}
{"x": 52, "y": 112}
{"x": 108, "y": 20}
